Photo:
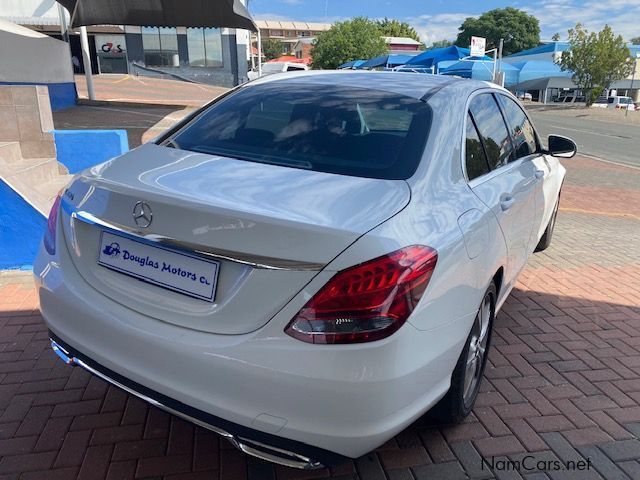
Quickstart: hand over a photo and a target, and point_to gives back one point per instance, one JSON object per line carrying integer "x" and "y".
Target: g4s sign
{"x": 109, "y": 47}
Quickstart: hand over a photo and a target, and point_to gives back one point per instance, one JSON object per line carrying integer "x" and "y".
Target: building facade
{"x": 289, "y": 33}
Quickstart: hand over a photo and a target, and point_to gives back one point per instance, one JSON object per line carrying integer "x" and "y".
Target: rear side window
{"x": 492, "y": 129}
{"x": 475, "y": 159}
{"x": 523, "y": 136}
{"x": 335, "y": 129}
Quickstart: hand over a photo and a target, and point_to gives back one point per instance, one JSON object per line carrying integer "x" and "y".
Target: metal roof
{"x": 401, "y": 41}
{"x": 293, "y": 25}
{"x": 544, "y": 83}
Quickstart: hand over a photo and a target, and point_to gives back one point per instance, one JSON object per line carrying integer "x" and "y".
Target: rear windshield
{"x": 334, "y": 129}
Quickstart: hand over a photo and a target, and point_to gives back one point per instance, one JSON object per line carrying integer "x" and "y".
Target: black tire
{"x": 455, "y": 406}
{"x": 545, "y": 240}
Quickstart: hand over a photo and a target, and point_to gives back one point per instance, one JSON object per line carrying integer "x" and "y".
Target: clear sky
{"x": 440, "y": 19}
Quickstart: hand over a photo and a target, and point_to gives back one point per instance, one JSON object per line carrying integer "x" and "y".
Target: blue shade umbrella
{"x": 437, "y": 55}
{"x": 387, "y": 61}
{"x": 534, "y": 69}
{"x": 351, "y": 65}
{"x": 481, "y": 70}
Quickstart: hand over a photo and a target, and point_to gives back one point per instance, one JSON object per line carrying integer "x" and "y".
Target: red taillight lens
{"x": 367, "y": 302}
{"x": 52, "y": 222}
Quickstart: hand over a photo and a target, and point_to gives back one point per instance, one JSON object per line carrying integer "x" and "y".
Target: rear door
{"x": 508, "y": 188}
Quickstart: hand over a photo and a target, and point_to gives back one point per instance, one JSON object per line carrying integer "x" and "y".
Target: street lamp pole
{"x": 633, "y": 77}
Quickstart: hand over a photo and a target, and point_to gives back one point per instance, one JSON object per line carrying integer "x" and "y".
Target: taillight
{"x": 52, "y": 222}
{"x": 366, "y": 302}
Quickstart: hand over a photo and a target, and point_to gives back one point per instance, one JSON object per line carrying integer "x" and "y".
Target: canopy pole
{"x": 84, "y": 42}
{"x": 63, "y": 23}
{"x": 259, "y": 53}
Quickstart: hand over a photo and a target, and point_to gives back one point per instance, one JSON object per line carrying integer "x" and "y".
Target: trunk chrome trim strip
{"x": 250, "y": 447}
{"x": 255, "y": 261}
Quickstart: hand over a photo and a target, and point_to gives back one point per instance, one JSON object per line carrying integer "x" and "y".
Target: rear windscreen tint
{"x": 335, "y": 129}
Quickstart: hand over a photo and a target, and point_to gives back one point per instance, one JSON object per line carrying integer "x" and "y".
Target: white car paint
{"x": 232, "y": 358}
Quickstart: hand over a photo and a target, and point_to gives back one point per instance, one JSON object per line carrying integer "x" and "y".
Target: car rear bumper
{"x": 325, "y": 399}
{"x": 252, "y": 442}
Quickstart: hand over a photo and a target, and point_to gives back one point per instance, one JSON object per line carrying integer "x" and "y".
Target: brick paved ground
{"x": 563, "y": 382}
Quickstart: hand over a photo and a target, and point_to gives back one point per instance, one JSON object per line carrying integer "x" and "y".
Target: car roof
{"x": 416, "y": 85}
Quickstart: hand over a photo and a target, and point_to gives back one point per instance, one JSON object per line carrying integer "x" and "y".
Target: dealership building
{"x": 216, "y": 56}
{"x": 541, "y": 75}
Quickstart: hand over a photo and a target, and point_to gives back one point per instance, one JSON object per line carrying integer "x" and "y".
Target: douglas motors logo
{"x": 112, "y": 250}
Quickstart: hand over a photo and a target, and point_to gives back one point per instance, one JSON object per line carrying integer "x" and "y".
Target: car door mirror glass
{"x": 560, "y": 146}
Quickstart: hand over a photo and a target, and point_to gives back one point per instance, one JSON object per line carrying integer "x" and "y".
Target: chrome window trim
{"x": 526, "y": 115}
{"x": 463, "y": 155}
{"x": 152, "y": 239}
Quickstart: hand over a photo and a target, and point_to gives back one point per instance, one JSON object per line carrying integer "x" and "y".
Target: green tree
{"x": 395, "y": 28}
{"x": 441, "y": 44}
{"x": 519, "y": 30}
{"x": 556, "y": 37}
{"x": 635, "y": 41}
{"x": 596, "y": 60}
{"x": 272, "y": 48}
{"x": 354, "y": 39}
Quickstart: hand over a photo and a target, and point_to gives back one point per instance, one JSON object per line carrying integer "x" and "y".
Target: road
{"x": 616, "y": 142}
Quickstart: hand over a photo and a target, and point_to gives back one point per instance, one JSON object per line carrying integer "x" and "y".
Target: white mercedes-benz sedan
{"x": 307, "y": 264}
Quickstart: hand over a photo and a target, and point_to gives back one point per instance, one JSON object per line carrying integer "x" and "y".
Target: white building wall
{"x": 29, "y": 56}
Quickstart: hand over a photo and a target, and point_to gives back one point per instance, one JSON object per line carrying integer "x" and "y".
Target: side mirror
{"x": 563, "y": 147}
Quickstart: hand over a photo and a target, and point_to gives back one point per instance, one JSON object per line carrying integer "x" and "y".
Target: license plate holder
{"x": 174, "y": 270}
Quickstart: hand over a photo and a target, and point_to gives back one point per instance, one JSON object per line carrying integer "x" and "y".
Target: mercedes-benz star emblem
{"x": 142, "y": 214}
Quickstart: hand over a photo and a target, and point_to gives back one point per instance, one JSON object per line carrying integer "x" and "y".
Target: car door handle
{"x": 506, "y": 201}
{"x": 539, "y": 173}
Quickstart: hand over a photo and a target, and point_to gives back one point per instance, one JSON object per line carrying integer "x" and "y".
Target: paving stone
{"x": 439, "y": 471}
{"x": 621, "y": 450}
{"x": 369, "y": 467}
{"x": 470, "y": 460}
{"x": 602, "y": 463}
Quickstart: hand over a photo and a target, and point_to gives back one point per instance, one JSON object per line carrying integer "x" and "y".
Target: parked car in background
{"x": 524, "y": 96}
{"x": 310, "y": 262}
{"x": 621, "y": 103}
{"x": 601, "y": 102}
{"x": 269, "y": 68}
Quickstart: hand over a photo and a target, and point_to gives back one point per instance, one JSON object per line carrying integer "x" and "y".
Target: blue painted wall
{"x": 61, "y": 95}
{"x": 21, "y": 230}
{"x": 81, "y": 149}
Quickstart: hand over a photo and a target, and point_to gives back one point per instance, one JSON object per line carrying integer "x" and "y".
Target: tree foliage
{"x": 441, "y": 44}
{"x": 519, "y": 30}
{"x": 635, "y": 41}
{"x": 272, "y": 48}
{"x": 556, "y": 37}
{"x": 354, "y": 39}
{"x": 395, "y": 28}
{"x": 596, "y": 60}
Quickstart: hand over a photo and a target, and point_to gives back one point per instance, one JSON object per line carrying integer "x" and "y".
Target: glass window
{"x": 205, "y": 47}
{"x": 523, "y": 136}
{"x": 492, "y": 128}
{"x": 160, "y": 46}
{"x": 112, "y": 53}
{"x": 335, "y": 129}
{"x": 475, "y": 159}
